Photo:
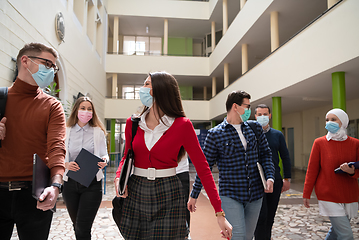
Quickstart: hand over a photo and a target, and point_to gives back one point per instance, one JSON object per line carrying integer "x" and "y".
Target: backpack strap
{"x": 3, "y": 99}
{"x": 134, "y": 127}
{"x": 253, "y": 126}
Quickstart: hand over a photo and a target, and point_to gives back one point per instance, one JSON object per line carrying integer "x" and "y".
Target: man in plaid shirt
{"x": 232, "y": 145}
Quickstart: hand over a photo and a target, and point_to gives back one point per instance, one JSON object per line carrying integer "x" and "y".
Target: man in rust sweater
{"x": 34, "y": 122}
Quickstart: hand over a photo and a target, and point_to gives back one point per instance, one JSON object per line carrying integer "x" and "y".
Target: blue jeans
{"x": 340, "y": 229}
{"x": 242, "y": 216}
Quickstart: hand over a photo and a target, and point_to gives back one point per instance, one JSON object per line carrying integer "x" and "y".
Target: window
{"x": 131, "y": 91}
{"x": 129, "y": 45}
{"x": 155, "y": 46}
{"x": 134, "y": 45}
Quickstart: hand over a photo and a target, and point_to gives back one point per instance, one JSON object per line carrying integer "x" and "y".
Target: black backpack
{"x": 3, "y": 98}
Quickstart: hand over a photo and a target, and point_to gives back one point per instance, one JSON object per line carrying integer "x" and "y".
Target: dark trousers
{"x": 19, "y": 207}
{"x": 269, "y": 207}
{"x": 82, "y": 204}
{"x": 184, "y": 177}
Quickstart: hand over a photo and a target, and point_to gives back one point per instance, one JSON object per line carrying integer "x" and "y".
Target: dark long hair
{"x": 166, "y": 95}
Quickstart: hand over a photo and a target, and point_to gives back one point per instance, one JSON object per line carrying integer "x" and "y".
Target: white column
{"x": 114, "y": 85}
{"x": 213, "y": 35}
{"x": 274, "y": 30}
{"x": 331, "y": 3}
{"x": 226, "y": 75}
{"x": 244, "y": 58}
{"x": 115, "y": 35}
{"x": 84, "y": 27}
{"x": 214, "y": 86}
{"x": 205, "y": 93}
{"x": 242, "y": 3}
{"x": 225, "y": 17}
{"x": 165, "y": 37}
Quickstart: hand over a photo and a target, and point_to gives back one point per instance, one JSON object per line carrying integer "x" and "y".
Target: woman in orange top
{"x": 337, "y": 193}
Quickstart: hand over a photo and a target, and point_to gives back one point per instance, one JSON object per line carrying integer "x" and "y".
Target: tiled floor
{"x": 293, "y": 220}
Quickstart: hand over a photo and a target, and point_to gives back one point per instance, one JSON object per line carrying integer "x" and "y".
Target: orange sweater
{"x": 324, "y": 158}
{"x": 35, "y": 124}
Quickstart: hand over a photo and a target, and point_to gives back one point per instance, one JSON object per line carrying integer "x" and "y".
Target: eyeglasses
{"x": 248, "y": 105}
{"x": 48, "y": 63}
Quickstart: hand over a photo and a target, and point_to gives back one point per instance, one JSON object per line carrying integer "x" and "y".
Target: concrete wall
{"x": 81, "y": 66}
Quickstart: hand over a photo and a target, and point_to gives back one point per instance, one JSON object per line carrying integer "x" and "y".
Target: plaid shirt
{"x": 239, "y": 177}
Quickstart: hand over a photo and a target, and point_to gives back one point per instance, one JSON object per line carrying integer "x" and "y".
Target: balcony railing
{"x": 148, "y": 53}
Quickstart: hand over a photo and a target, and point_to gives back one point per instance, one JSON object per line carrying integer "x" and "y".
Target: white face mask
{"x": 263, "y": 120}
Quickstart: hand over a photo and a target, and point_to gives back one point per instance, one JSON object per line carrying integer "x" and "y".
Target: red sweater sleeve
{"x": 312, "y": 170}
{"x": 191, "y": 145}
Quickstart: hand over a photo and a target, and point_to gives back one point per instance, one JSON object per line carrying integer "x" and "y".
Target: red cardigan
{"x": 324, "y": 158}
{"x": 164, "y": 153}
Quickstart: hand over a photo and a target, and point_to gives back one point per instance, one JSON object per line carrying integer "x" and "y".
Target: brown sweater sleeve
{"x": 56, "y": 140}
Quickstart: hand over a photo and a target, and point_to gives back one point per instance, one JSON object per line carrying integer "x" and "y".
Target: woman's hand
{"x": 117, "y": 180}
{"x": 306, "y": 202}
{"x": 226, "y": 227}
{"x": 344, "y": 167}
{"x": 101, "y": 165}
{"x": 72, "y": 166}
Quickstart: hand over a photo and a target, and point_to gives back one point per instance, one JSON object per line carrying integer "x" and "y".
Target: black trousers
{"x": 269, "y": 207}
{"x": 82, "y": 204}
{"x": 19, "y": 207}
{"x": 184, "y": 177}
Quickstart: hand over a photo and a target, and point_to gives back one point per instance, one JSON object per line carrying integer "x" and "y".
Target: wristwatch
{"x": 220, "y": 214}
{"x": 287, "y": 179}
{"x": 58, "y": 185}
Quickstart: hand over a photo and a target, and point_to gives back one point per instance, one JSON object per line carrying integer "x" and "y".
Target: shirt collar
{"x": 164, "y": 124}
{"x": 226, "y": 123}
{"x": 78, "y": 128}
{"x": 266, "y": 130}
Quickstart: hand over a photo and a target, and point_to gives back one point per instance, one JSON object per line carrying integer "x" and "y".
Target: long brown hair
{"x": 94, "y": 121}
{"x": 166, "y": 95}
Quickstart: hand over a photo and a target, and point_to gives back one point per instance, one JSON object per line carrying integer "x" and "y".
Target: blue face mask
{"x": 246, "y": 115}
{"x": 263, "y": 120}
{"x": 146, "y": 97}
{"x": 43, "y": 77}
{"x": 332, "y": 127}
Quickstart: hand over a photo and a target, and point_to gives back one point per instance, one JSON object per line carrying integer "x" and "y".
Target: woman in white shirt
{"x": 84, "y": 130}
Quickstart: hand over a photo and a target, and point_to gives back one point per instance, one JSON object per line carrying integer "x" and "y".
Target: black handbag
{"x": 126, "y": 171}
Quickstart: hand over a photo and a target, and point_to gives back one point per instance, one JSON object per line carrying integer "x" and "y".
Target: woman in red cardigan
{"x": 154, "y": 207}
{"x": 337, "y": 193}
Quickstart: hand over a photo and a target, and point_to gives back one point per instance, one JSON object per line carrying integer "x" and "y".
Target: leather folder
{"x": 88, "y": 168}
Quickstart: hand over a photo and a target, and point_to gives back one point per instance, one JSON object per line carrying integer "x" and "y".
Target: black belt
{"x": 15, "y": 185}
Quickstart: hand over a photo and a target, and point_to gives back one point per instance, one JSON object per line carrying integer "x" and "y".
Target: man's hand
{"x": 191, "y": 204}
{"x": 2, "y": 128}
{"x": 286, "y": 185}
{"x": 48, "y": 198}
{"x": 306, "y": 202}
{"x": 269, "y": 187}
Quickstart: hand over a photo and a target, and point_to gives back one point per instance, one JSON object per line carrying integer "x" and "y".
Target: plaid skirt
{"x": 154, "y": 209}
